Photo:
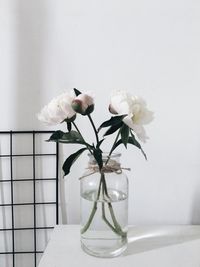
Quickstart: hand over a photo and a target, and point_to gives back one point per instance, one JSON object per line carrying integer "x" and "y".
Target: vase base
{"x": 103, "y": 253}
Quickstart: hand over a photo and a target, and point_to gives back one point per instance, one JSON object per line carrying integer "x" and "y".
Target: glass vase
{"x": 104, "y": 208}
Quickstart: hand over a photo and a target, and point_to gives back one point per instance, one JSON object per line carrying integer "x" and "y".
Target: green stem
{"x": 117, "y": 226}
{"x": 94, "y": 209}
{"x": 117, "y": 229}
{"x": 94, "y": 128}
{"x": 76, "y": 127}
{"x": 116, "y": 139}
{"x": 104, "y": 185}
{"x": 99, "y": 190}
{"x": 106, "y": 220}
{"x": 87, "y": 225}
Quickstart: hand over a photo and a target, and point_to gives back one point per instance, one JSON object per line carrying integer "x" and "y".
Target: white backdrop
{"x": 151, "y": 48}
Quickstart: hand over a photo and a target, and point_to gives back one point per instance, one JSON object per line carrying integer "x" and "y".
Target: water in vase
{"x": 106, "y": 235}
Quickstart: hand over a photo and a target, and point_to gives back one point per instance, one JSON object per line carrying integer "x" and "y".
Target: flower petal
{"x": 57, "y": 110}
{"x": 136, "y": 108}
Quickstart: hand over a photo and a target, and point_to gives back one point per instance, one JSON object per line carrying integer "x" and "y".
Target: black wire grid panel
{"x": 13, "y": 252}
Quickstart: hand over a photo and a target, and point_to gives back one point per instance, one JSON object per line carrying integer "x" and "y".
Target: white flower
{"x": 136, "y": 109}
{"x": 83, "y": 103}
{"x": 58, "y": 110}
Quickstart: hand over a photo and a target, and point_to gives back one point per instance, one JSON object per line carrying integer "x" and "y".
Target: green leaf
{"x": 132, "y": 141}
{"x": 100, "y": 142}
{"x": 70, "y": 160}
{"x": 72, "y": 137}
{"x": 136, "y": 143}
{"x": 113, "y": 129}
{"x": 69, "y": 126}
{"x": 77, "y": 92}
{"x": 112, "y": 121}
{"x": 125, "y": 134}
{"x": 56, "y": 135}
{"x": 98, "y": 156}
{"x": 144, "y": 154}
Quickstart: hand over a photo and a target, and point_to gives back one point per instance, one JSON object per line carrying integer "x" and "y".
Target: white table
{"x": 149, "y": 246}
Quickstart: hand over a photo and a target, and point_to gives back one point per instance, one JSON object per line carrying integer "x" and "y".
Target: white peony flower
{"x": 136, "y": 109}
{"x": 83, "y": 103}
{"x": 58, "y": 110}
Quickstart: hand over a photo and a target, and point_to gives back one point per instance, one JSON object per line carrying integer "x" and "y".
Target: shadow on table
{"x": 145, "y": 238}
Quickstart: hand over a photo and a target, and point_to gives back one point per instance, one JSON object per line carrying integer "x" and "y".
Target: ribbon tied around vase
{"x": 111, "y": 166}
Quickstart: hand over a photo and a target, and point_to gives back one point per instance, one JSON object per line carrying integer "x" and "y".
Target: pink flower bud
{"x": 83, "y": 104}
{"x": 112, "y": 110}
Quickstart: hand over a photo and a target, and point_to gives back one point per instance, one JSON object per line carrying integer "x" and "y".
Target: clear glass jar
{"x": 104, "y": 208}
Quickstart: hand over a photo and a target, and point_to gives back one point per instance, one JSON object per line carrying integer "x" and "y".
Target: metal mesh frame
{"x": 11, "y": 180}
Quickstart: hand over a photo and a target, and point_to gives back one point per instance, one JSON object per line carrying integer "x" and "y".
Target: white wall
{"x": 151, "y": 48}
